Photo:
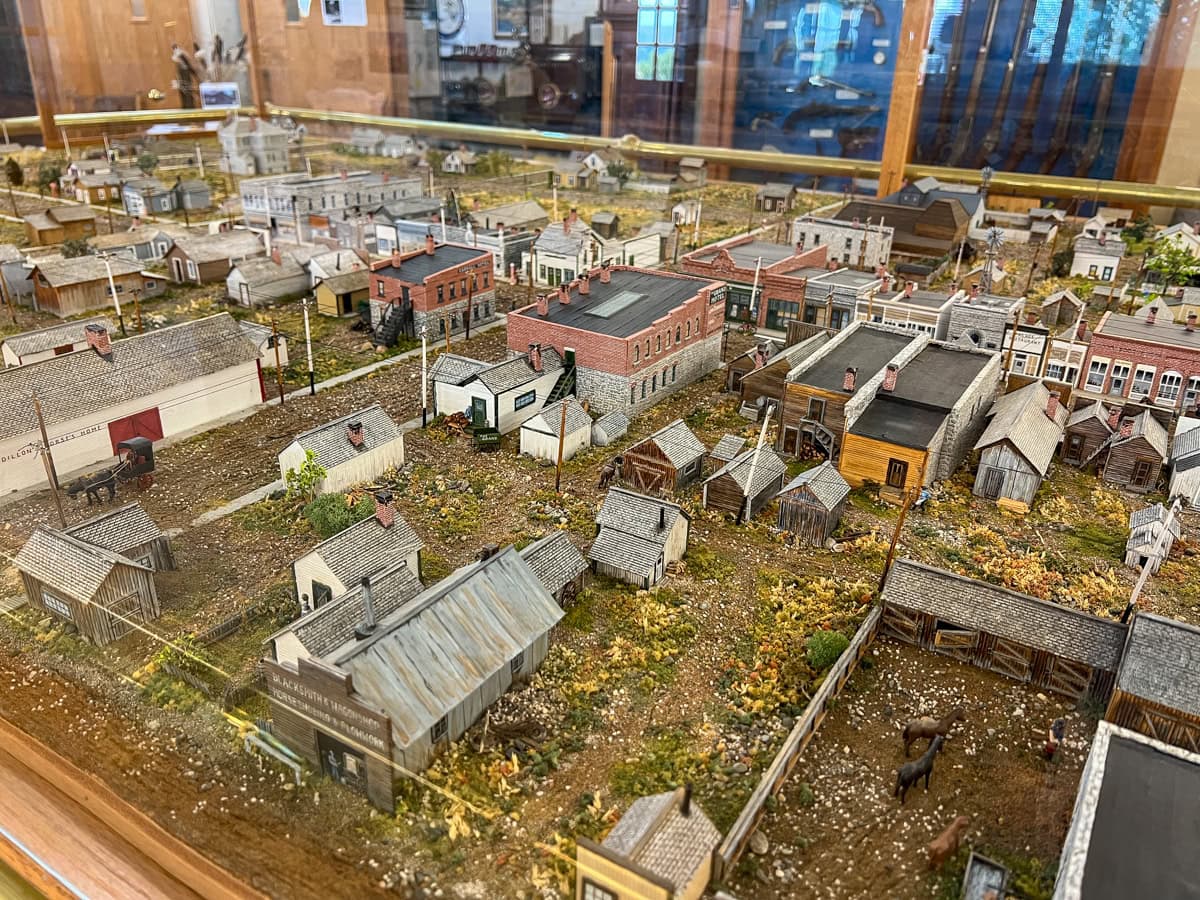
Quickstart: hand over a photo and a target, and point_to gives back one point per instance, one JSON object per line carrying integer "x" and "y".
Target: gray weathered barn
{"x": 638, "y": 537}
{"x": 730, "y": 490}
{"x": 130, "y": 532}
{"x": 811, "y": 504}
{"x": 1018, "y": 444}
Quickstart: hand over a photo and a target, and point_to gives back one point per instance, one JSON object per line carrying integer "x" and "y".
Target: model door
{"x": 1074, "y": 448}
{"x": 479, "y": 412}
{"x": 177, "y": 269}
{"x": 993, "y": 483}
{"x": 1141, "y": 473}
{"x": 897, "y": 474}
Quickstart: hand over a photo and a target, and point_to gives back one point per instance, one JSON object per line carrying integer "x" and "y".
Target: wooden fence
{"x": 772, "y": 780}
{"x": 224, "y": 629}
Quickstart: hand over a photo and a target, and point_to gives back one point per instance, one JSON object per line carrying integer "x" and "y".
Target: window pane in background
{"x": 644, "y": 68}
{"x": 645, "y": 26}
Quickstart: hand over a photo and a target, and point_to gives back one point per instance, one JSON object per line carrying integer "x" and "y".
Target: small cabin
{"x": 670, "y": 459}
{"x": 542, "y": 435}
{"x": 1088, "y": 428}
{"x": 1146, "y": 529}
{"x": 638, "y": 537}
{"x": 128, "y": 532}
{"x": 340, "y": 295}
{"x": 1018, "y": 445}
{"x": 1133, "y": 456}
{"x": 746, "y": 484}
{"x": 606, "y": 224}
{"x": 609, "y": 427}
{"x": 352, "y": 449}
{"x": 812, "y": 503}
{"x": 558, "y": 564}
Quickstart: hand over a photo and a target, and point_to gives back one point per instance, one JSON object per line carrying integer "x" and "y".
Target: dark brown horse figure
{"x": 92, "y": 485}
{"x": 912, "y": 772}
{"x": 928, "y": 728}
{"x": 609, "y": 472}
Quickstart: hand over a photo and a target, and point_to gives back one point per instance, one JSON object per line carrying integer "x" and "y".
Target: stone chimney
{"x": 543, "y": 305}
{"x": 585, "y": 285}
{"x": 1191, "y": 322}
{"x": 430, "y": 246}
{"x": 1151, "y": 315}
{"x": 849, "y": 379}
{"x": 98, "y": 339}
{"x": 366, "y": 627}
{"x": 535, "y": 357}
{"x": 909, "y": 287}
{"x": 1052, "y": 405}
{"x": 605, "y": 274}
{"x": 354, "y": 431}
{"x": 890, "y": 375}
{"x": 566, "y": 224}
{"x": 685, "y": 804}
{"x": 385, "y": 512}
{"x": 1114, "y": 418}
{"x": 1126, "y": 428}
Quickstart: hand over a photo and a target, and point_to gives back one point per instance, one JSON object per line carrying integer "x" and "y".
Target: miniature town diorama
{"x": 546, "y": 527}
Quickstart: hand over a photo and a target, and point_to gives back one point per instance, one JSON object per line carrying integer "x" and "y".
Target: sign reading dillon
{"x": 315, "y": 696}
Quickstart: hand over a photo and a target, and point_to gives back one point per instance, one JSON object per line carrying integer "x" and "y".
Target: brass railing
{"x": 1006, "y": 183}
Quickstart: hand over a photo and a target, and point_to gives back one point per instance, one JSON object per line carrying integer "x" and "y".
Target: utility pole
{"x": 48, "y": 461}
{"x": 446, "y": 328}
{"x": 754, "y": 291}
{"x": 112, "y": 286}
{"x": 562, "y": 436}
{"x": 424, "y": 378}
{"x": 909, "y": 499}
{"x": 278, "y": 366}
{"x": 312, "y": 379}
{"x": 199, "y": 160}
{"x": 1158, "y": 543}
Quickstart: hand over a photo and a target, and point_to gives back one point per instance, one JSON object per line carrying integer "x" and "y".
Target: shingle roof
{"x": 1095, "y": 411}
{"x": 66, "y": 564}
{"x": 604, "y": 218}
{"x": 630, "y": 536}
{"x": 1162, "y": 663}
{"x": 677, "y": 443}
{"x": 776, "y": 189}
{"x": 1144, "y": 426}
{"x": 824, "y": 481}
{"x": 555, "y": 560}
{"x": 979, "y": 606}
{"x": 513, "y": 215}
{"x": 550, "y": 418}
{"x": 71, "y": 213}
{"x": 442, "y": 646}
{"x": 1020, "y": 418}
{"x": 514, "y": 373}
{"x": 30, "y": 342}
{"x": 655, "y": 835}
{"x": 728, "y": 447}
{"x": 348, "y": 282}
{"x": 82, "y": 269}
{"x": 330, "y": 626}
{"x": 1111, "y": 247}
{"x": 450, "y": 368}
{"x": 770, "y": 468}
{"x": 83, "y": 383}
{"x": 216, "y": 247}
{"x": 1185, "y": 445}
{"x": 367, "y": 547}
{"x": 119, "y": 530}
{"x": 9, "y": 253}
{"x": 331, "y": 445}
{"x": 612, "y": 425}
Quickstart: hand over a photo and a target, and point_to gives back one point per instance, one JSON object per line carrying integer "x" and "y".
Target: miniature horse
{"x": 946, "y": 844}
{"x": 92, "y": 485}
{"x": 926, "y": 727}
{"x": 911, "y": 772}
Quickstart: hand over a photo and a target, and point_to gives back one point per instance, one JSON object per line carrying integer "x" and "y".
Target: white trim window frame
{"x": 1097, "y": 373}
{"x": 1120, "y": 378}
{"x": 1191, "y": 394}
{"x": 57, "y": 605}
{"x": 1169, "y": 386}
{"x": 1143, "y": 381}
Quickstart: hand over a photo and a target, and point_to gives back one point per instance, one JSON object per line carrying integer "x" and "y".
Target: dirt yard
{"x": 837, "y": 832}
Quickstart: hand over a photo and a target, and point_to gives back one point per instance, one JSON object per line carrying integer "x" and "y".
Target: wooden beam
{"x": 907, "y": 83}
{"x": 608, "y": 83}
{"x": 257, "y": 91}
{"x": 41, "y": 68}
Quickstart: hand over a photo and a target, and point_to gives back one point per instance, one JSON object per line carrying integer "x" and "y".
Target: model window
{"x": 542, "y": 272}
{"x": 441, "y": 293}
{"x": 673, "y": 373}
{"x": 452, "y": 290}
{"x": 678, "y": 332}
{"x": 654, "y": 382}
{"x": 380, "y": 290}
{"x": 516, "y": 664}
{"x": 56, "y": 604}
{"x": 897, "y": 473}
{"x": 463, "y": 286}
{"x": 689, "y": 328}
{"x": 1096, "y": 372}
{"x": 658, "y": 344}
{"x": 1054, "y": 372}
{"x": 637, "y": 353}
{"x": 643, "y": 388}
{"x": 1120, "y": 377}
{"x": 1192, "y": 394}
{"x": 816, "y": 409}
{"x": 1092, "y": 270}
{"x": 137, "y": 8}
{"x": 1107, "y": 273}
{"x": 438, "y": 731}
{"x": 632, "y": 393}
{"x": 593, "y": 891}
{"x": 1168, "y": 387}
{"x": 647, "y": 348}
{"x": 524, "y": 400}
{"x": 1143, "y": 378}
{"x": 656, "y": 26}
{"x": 485, "y": 279}
{"x": 668, "y": 338}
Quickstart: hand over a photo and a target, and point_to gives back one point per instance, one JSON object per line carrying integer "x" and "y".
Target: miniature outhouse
{"x": 609, "y": 427}
{"x": 811, "y": 504}
{"x": 130, "y": 532}
{"x": 540, "y": 434}
{"x": 1146, "y": 527}
{"x": 746, "y": 484}
{"x": 558, "y": 564}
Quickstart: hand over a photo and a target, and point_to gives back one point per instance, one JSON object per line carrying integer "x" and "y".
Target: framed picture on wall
{"x": 220, "y": 95}
{"x": 511, "y": 18}
{"x": 344, "y": 12}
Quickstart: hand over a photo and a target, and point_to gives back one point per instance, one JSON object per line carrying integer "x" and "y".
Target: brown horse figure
{"x": 945, "y": 845}
{"x": 610, "y": 471}
{"x": 926, "y": 727}
{"x": 912, "y": 772}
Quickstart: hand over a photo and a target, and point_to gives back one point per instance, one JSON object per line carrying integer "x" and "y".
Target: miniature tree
{"x": 1060, "y": 263}
{"x": 620, "y": 170}
{"x": 49, "y": 172}
{"x": 1139, "y": 229}
{"x": 75, "y": 248}
{"x": 435, "y": 158}
{"x": 302, "y": 483}
{"x": 1171, "y": 263}
{"x": 13, "y": 172}
{"x": 147, "y": 162}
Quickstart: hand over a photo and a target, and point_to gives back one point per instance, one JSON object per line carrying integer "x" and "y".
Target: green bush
{"x": 824, "y": 647}
{"x": 332, "y": 513}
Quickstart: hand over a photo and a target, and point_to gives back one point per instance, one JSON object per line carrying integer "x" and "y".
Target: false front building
{"x": 631, "y": 336}
{"x": 443, "y": 283}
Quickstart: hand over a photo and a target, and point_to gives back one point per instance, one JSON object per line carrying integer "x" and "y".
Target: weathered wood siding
{"x": 1122, "y": 459}
{"x": 156, "y": 554}
{"x": 1001, "y": 464}
{"x": 76, "y": 298}
{"x": 801, "y": 515}
{"x": 1154, "y": 720}
{"x": 796, "y": 406}
{"x": 92, "y": 619}
{"x": 865, "y": 459}
{"x": 1094, "y": 434}
{"x": 766, "y": 384}
{"x": 365, "y": 467}
{"x": 645, "y": 466}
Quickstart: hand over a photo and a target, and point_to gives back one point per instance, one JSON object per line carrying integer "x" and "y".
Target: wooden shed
{"x": 811, "y": 504}
{"x": 340, "y": 295}
{"x": 102, "y": 593}
{"x": 637, "y": 537}
{"x": 670, "y": 459}
{"x": 760, "y": 384}
{"x": 1158, "y": 684}
{"x": 540, "y": 433}
{"x": 558, "y": 564}
{"x": 746, "y": 484}
{"x": 727, "y": 449}
{"x": 1134, "y": 454}
{"x": 129, "y": 532}
{"x": 1046, "y": 644}
{"x": 1146, "y": 525}
{"x": 1018, "y": 444}
{"x": 353, "y": 449}
{"x": 1087, "y": 429}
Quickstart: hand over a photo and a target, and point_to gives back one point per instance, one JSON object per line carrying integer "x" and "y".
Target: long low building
{"x": 154, "y": 385}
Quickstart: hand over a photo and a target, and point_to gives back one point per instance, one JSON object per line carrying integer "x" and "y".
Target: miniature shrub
{"x": 332, "y": 513}
{"x": 705, "y": 564}
{"x": 824, "y": 648}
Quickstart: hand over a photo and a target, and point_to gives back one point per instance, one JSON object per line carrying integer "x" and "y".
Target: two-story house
{"x": 440, "y": 285}
{"x": 565, "y": 249}
{"x": 252, "y": 147}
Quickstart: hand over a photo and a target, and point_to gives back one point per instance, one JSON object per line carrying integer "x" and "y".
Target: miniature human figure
{"x": 335, "y": 771}
{"x": 1054, "y": 736}
{"x": 305, "y": 604}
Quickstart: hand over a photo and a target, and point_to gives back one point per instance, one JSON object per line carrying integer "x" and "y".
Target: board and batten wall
{"x": 84, "y": 442}
{"x": 365, "y": 466}
{"x": 93, "y": 622}
{"x": 1020, "y": 481}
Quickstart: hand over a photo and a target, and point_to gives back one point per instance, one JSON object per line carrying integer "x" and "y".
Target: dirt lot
{"x": 837, "y": 832}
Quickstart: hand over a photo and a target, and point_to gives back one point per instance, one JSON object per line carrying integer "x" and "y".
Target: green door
{"x": 479, "y": 412}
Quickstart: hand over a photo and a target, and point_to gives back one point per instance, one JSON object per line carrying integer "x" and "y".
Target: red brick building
{"x": 782, "y": 278}
{"x": 1145, "y": 358}
{"x": 427, "y": 287}
{"x": 632, "y": 335}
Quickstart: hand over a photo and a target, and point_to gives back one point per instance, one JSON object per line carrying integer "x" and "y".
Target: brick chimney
{"x": 276, "y": 256}
{"x": 1081, "y": 330}
{"x": 385, "y": 512}
{"x": 543, "y": 305}
{"x": 1126, "y": 428}
{"x": 585, "y": 285}
{"x": 566, "y": 224}
{"x": 909, "y": 287}
{"x": 605, "y": 274}
{"x": 574, "y": 216}
{"x": 98, "y": 339}
{"x": 1031, "y": 318}
{"x": 854, "y": 223}
{"x": 396, "y": 258}
{"x": 254, "y": 123}
{"x": 343, "y": 174}
{"x": 831, "y": 265}
{"x": 1114, "y": 418}
{"x": 974, "y": 295}
{"x": 430, "y": 246}
{"x": 1151, "y": 315}
{"x": 1191, "y": 322}
{"x": 887, "y": 283}
{"x": 535, "y": 357}
{"x": 1052, "y": 405}
{"x": 386, "y": 177}
{"x": 880, "y": 271}
{"x": 564, "y": 293}
{"x": 354, "y": 431}
{"x": 890, "y": 375}
{"x": 849, "y": 379}
{"x": 800, "y": 246}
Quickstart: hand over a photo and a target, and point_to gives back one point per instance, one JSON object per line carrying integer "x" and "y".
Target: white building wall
{"x": 1081, "y": 262}
{"x": 537, "y": 442}
{"x": 84, "y": 442}
{"x": 449, "y": 399}
{"x": 365, "y": 466}
{"x": 310, "y": 568}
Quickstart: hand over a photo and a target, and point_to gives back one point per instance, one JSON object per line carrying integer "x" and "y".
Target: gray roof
{"x": 264, "y": 270}
{"x": 728, "y": 447}
{"x": 939, "y": 375}
{"x": 516, "y": 372}
{"x": 1111, "y": 247}
{"x": 979, "y": 606}
{"x": 216, "y": 247}
{"x": 119, "y": 530}
{"x": 513, "y": 215}
{"x": 629, "y": 536}
{"x": 1144, "y": 426}
{"x": 9, "y": 253}
{"x": 367, "y": 547}
{"x": 677, "y": 443}
{"x": 1155, "y": 512}
{"x": 550, "y": 418}
{"x": 134, "y": 237}
{"x": 83, "y": 383}
{"x": 1184, "y": 449}
{"x": 867, "y": 349}
{"x": 769, "y": 469}
{"x": 438, "y": 649}
{"x": 348, "y": 282}
{"x": 330, "y": 626}
{"x": 895, "y": 421}
{"x": 555, "y": 560}
{"x": 416, "y": 268}
{"x": 450, "y": 368}
{"x": 1020, "y": 418}
{"x": 1162, "y": 663}
{"x": 613, "y": 424}
{"x": 604, "y": 218}
{"x": 745, "y": 254}
{"x": 1163, "y": 331}
{"x": 29, "y": 342}
{"x": 331, "y": 445}
{"x": 66, "y": 564}
{"x": 655, "y": 835}
{"x": 83, "y": 269}
{"x": 1095, "y": 411}
{"x": 554, "y": 239}
{"x": 824, "y": 481}
{"x": 776, "y": 189}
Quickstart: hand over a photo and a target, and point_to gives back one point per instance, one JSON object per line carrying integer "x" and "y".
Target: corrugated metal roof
{"x": 367, "y": 547}
{"x": 555, "y": 560}
{"x": 1185, "y": 444}
{"x": 825, "y": 482}
{"x": 1144, "y": 426}
{"x": 656, "y": 835}
{"x": 119, "y": 530}
{"x": 259, "y": 270}
{"x": 1091, "y": 411}
{"x": 29, "y": 342}
{"x": 1020, "y": 418}
{"x": 332, "y": 445}
{"x": 442, "y": 646}
{"x": 550, "y": 418}
{"x": 769, "y": 468}
{"x": 677, "y": 443}
{"x": 66, "y": 564}
{"x": 554, "y": 239}
{"x": 1162, "y": 663}
{"x": 1111, "y": 247}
